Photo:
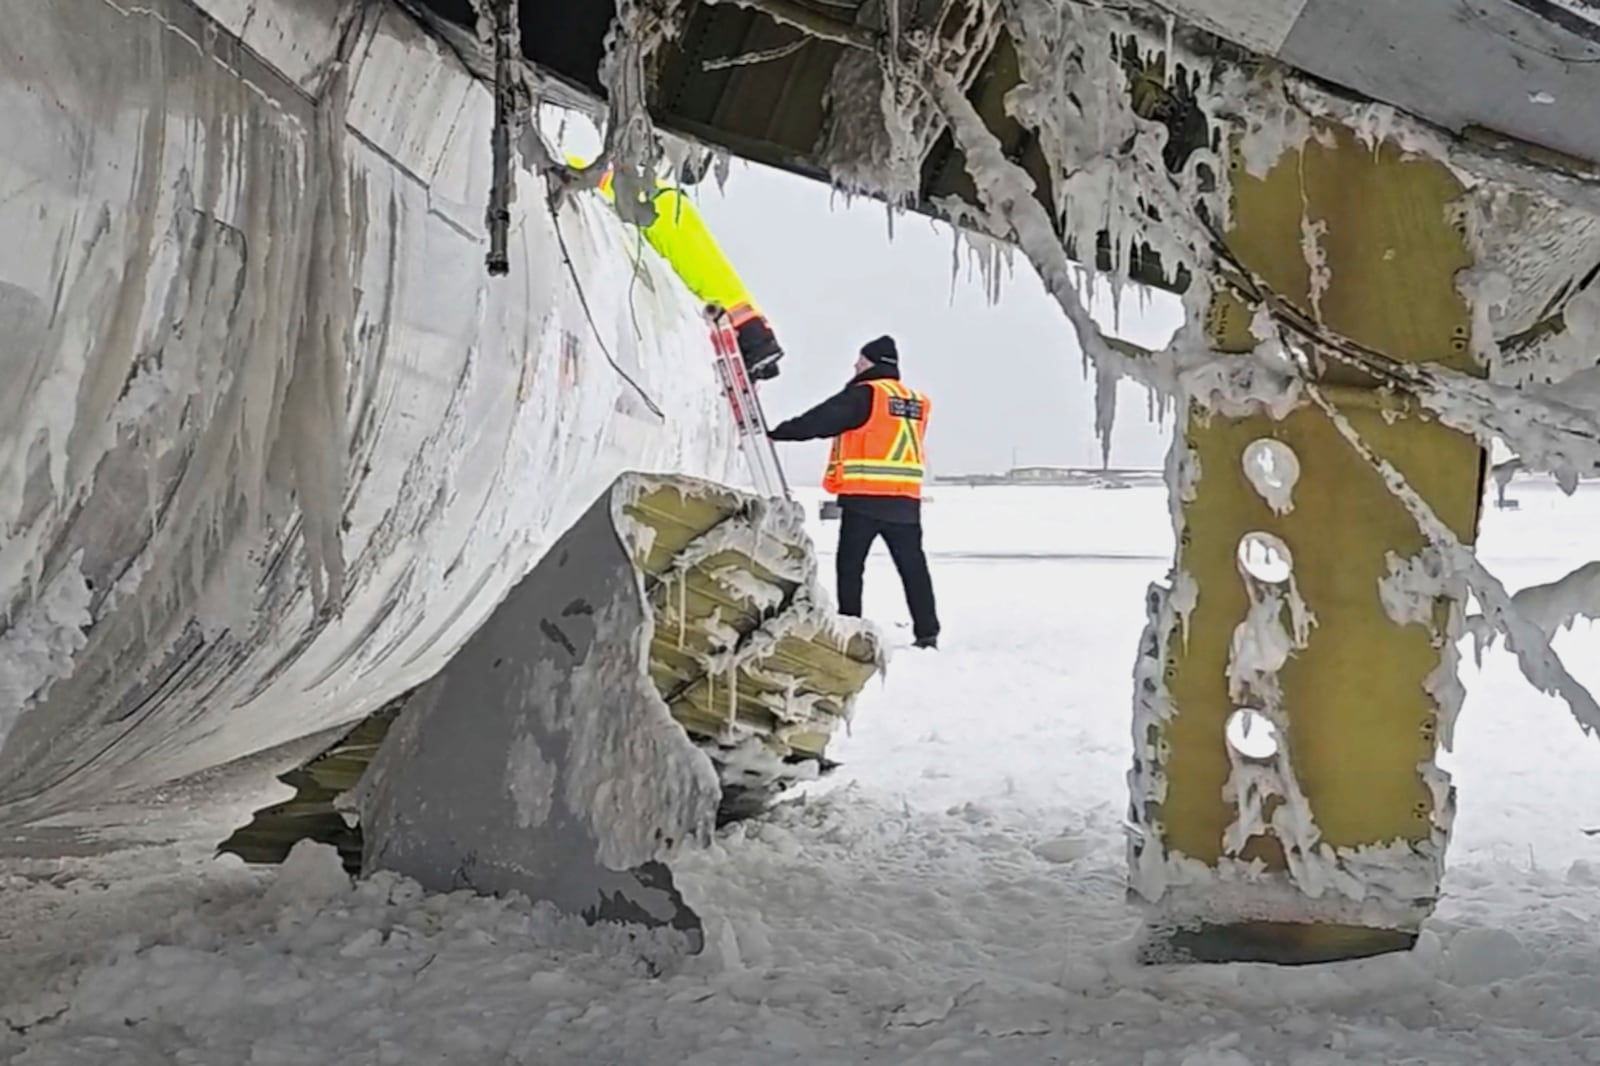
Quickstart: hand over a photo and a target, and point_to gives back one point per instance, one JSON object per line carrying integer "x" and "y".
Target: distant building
{"x": 1058, "y": 475}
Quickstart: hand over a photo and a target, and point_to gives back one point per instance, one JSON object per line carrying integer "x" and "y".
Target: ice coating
{"x": 298, "y": 507}
{"x": 1424, "y": 590}
{"x": 1548, "y": 607}
{"x": 1276, "y": 624}
{"x": 1273, "y": 469}
{"x": 1505, "y": 291}
{"x": 42, "y": 640}
{"x": 1148, "y": 859}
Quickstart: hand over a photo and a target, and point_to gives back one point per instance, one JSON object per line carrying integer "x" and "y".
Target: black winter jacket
{"x": 848, "y": 409}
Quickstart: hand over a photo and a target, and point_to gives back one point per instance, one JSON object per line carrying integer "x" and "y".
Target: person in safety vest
{"x": 680, "y": 236}
{"x": 876, "y": 468}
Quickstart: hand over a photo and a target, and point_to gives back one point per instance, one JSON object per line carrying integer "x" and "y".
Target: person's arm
{"x": 843, "y": 411}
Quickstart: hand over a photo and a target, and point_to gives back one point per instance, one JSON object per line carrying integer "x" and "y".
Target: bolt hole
{"x": 1272, "y": 468}
{"x": 1251, "y": 734}
{"x": 1265, "y": 557}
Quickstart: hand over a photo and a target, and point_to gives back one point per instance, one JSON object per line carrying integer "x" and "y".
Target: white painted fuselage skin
{"x": 272, "y": 442}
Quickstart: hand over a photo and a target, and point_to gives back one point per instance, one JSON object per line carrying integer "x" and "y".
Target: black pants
{"x": 856, "y": 534}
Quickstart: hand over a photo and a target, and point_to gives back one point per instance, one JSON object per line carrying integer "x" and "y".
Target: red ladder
{"x": 748, "y": 418}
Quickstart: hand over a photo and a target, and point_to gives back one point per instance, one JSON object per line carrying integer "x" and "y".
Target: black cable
{"x": 566, "y": 257}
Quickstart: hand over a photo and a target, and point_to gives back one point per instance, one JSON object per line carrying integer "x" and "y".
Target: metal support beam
{"x": 506, "y": 55}
{"x": 1326, "y": 841}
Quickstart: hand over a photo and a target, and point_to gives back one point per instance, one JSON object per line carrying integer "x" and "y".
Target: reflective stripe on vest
{"x": 883, "y": 456}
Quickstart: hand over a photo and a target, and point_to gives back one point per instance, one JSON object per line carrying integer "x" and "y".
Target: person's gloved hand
{"x": 759, "y": 347}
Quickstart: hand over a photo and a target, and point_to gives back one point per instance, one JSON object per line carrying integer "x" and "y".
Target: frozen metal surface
{"x": 542, "y": 759}
{"x": 252, "y": 352}
{"x": 1529, "y": 69}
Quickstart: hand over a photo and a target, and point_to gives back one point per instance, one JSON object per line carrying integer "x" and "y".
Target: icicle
{"x": 152, "y": 498}
{"x": 683, "y": 604}
{"x": 1105, "y": 410}
{"x": 1171, "y": 60}
{"x": 314, "y": 401}
{"x": 1552, "y": 606}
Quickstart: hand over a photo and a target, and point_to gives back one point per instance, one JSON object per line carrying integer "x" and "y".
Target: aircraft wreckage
{"x": 329, "y": 417}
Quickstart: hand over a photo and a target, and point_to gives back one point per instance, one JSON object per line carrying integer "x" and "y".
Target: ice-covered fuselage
{"x": 272, "y": 443}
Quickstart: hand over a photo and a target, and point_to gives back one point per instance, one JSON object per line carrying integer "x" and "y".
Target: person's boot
{"x": 764, "y": 368}
{"x": 930, "y": 643}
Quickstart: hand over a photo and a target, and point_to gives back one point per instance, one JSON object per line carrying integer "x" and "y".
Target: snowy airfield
{"x": 955, "y": 893}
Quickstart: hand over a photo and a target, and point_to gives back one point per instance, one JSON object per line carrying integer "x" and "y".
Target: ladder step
{"x": 748, "y": 418}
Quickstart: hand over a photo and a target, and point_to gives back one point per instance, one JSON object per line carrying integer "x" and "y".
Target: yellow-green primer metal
{"x": 1359, "y": 720}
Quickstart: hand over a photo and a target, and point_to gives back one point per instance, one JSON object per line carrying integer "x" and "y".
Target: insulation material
{"x": 746, "y": 648}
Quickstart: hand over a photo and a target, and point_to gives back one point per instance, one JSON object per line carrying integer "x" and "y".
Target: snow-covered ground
{"x": 954, "y": 894}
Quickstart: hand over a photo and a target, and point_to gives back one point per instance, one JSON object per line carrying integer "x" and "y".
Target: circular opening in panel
{"x": 1251, "y": 734}
{"x": 1271, "y": 466}
{"x": 1265, "y": 557}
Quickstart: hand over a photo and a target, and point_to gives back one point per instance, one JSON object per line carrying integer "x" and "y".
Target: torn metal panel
{"x": 672, "y": 664}
{"x": 541, "y": 760}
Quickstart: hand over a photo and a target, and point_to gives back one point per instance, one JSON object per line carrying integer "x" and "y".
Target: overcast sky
{"x": 1006, "y": 379}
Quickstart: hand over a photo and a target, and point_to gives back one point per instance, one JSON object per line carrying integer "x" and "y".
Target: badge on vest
{"x": 900, "y": 407}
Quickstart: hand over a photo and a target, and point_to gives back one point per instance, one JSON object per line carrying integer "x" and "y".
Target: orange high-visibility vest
{"x": 883, "y": 456}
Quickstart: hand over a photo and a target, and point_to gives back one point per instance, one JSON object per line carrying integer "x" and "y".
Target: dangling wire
{"x": 566, "y": 257}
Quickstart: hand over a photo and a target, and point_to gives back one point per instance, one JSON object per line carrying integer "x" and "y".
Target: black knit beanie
{"x": 882, "y": 352}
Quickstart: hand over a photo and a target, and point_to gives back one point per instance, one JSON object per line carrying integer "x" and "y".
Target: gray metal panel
{"x": 541, "y": 760}
{"x": 1460, "y": 63}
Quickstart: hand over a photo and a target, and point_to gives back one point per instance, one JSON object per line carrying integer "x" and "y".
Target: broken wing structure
{"x": 1385, "y": 226}
{"x": 279, "y": 459}
{"x": 669, "y": 664}
{"x": 278, "y": 455}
